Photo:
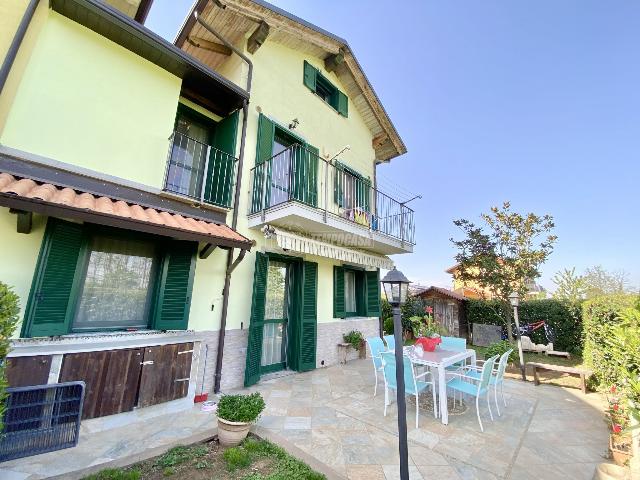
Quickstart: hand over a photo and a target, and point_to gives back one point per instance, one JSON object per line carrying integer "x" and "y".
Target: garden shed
{"x": 448, "y": 309}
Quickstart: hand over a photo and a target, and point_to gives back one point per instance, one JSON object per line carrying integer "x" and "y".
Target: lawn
{"x": 554, "y": 378}
{"x": 255, "y": 459}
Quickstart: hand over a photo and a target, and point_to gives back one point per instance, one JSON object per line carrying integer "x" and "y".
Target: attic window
{"x": 327, "y": 91}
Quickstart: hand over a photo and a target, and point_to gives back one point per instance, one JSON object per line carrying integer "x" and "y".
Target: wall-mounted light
{"x": 294, "y": 123}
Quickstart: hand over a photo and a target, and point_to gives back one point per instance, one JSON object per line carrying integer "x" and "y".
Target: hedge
{"x": 9, "y": 310}
{"x": 601, "y": 317}
{"x": 563, "y": 317}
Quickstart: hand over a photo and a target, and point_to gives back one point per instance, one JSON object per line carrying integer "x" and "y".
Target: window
{"x": 117, "y": 284}
{"x": 356, "y": 292}
{"x": 91, "y": 278}
{"x": 321, "y": 86}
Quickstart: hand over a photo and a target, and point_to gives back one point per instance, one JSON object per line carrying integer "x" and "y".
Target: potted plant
{"x": 236, "y": 413}
{"x": 619, "y": 438}
{"x": 427, "y": 330}
{"x": 356, "y": 340}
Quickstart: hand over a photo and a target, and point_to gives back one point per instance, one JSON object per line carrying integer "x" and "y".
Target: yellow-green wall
{"x": 19, "y": 255}
{"x": 279, "y": 93}
{"x": 87, "y": 101}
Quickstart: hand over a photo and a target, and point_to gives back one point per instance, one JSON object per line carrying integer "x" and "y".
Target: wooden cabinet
{"x": 27, "y": 371}
{"x": 119, "y": 380}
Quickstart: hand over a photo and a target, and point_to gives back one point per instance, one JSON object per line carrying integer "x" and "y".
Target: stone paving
{"x": 330, "y": 419}
{"x": 546, "y": 432}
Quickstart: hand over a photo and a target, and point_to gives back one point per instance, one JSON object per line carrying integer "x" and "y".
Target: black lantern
{"x": 395, "y": 286}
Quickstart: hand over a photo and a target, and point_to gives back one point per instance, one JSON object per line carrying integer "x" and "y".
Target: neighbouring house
{"x": 448, "y": 309}
{"x": 316, "y": 131}
{"x": 173, "y": 226}
{"x": 470, "y": 289}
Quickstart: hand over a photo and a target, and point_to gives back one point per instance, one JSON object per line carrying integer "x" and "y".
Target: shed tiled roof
{"x": 443, "y": 291}
{"x": 37, "y": 194}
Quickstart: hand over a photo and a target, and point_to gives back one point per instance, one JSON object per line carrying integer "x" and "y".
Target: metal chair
{"x": 497, "y": 379}
{"x": 413, "y": 385}
{"x": 475, "y": 385}
{"x": 390, "y": 340}
{"x": 454, "y": 344}
{"x": 376, "y": 347}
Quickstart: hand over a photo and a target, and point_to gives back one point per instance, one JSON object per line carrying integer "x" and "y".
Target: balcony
{"x": 299, "y": 190}
{"x": 200, "y": 172}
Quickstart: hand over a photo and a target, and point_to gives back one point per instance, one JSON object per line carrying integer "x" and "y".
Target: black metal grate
{"x": 40, "y": 419}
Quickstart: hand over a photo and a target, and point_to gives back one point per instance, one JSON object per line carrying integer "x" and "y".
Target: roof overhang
{"x": 240, "y": 17}
{"x": 198, "y": 80}
{"x": 26, "y": 195}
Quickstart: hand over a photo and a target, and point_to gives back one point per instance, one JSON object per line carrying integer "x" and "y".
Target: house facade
{"x": 316, "y": 131}
{"x": 177, "y": 219}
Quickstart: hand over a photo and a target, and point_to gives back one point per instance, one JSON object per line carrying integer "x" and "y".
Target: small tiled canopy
{"x": 32, "y": 196}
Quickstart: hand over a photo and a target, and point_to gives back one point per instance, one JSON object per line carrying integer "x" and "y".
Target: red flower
{"x": 613, "y": 389}
{"x": 616, "y": 407}
{"x": 617, "y": 429}
{"x": 429, "y": 310}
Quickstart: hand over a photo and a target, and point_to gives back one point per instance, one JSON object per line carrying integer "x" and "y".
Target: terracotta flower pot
{"x": 429, "y": 344}
{"x": 620, "y": 448}
{"x": 231, "y": 434}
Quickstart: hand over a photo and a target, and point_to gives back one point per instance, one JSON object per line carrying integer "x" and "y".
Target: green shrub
{"x": 414, "y": 306}
{"x": 386, "y": 310}
{"x": 175, "y": 456}
{"x": 602, "y": 318}
{"x": 354, "y": 337}
{"x": 9, "y": 310}
{"x": 236, "y": 457}
{"x": 499, "y": 348}
{"x": 387, "y": 326}
{"x": 241, "y": 408}
{"x": 115, "y": 474}
{"x": 564, "y": 318}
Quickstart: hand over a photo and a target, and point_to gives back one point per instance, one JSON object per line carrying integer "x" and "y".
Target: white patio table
{"x": 440, "y": 360}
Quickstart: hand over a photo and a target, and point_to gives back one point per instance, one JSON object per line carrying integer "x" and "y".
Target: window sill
{"x": 97, "y": 341}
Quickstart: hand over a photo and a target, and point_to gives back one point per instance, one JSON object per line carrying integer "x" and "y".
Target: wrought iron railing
{"x": 199, "y": 171}
{"x": 298, "y": 174}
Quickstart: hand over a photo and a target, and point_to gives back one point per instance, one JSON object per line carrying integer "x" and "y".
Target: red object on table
{"x": 429, "y": 344}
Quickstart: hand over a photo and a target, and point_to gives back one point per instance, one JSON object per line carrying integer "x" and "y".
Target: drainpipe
{"x": 16, "y": 42}
{"x": 231, "y": 264}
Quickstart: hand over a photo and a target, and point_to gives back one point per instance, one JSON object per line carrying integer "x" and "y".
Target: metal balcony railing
{"x": 298, "y": 174}
{"x": 199, "y": 171}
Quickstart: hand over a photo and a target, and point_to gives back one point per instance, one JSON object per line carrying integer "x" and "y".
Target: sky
{"x": 534, "y": 102}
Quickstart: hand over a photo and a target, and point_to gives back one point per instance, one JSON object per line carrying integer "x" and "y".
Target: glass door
{"x": 274, "y": 337}
{"x": 280, "y": 171}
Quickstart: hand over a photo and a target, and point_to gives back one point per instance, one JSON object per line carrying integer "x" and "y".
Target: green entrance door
{"x": 274, "y": 331}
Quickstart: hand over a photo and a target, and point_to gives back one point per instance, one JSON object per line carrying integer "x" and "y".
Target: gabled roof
{"x": 444, "y": 292}
{"x": 239, "y": 18}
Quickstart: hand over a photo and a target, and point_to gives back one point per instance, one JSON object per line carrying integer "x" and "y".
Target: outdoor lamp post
{"x": 395, "y": 286}
{"x": 514, "y": 298}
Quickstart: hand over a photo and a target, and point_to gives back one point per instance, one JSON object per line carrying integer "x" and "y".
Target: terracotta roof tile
{"x": 68, "y": 197}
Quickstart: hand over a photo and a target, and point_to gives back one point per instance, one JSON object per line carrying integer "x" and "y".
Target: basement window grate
{"x": 40, "y": 419}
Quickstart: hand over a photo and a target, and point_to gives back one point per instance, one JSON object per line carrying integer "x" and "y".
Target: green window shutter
{"x": 343, "y": 104}
{"x": 256, "y": 322}
{"x": 48, "y": 310}
{"x": 220, "y": 176}
{"x": 176, "y": 283}
{"x": 363, "y": 192}
{"x": 309, "y": 324}
{"x": 338, "y": 292}
{"x": 373, "y": 293}
{"x": 305, "y": 174}
{"x": 310, "y": 75}
{"x": 264, "y": 151}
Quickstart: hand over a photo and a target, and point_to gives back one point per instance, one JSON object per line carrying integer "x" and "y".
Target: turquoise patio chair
{"x": 413, "y": 385}
{"x": 454, "y": 344}
{"x": 497, "y": 379}
{"x": 475, "y": 385}
{"x": 390, "y": 340}
{"x": 376, "y": 347}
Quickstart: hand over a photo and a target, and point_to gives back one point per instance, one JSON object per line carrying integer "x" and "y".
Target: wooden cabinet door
{"x": 111, "y": 379}
{"x": 27, "y": 371}
{"x": 165, "y": 373}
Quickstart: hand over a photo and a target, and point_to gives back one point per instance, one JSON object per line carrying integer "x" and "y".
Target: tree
{"x": 505, "y": 253}
{"x": 599, "y": 282}
{"x": 9, "y": 316}
{"x": 570, "y": 286}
